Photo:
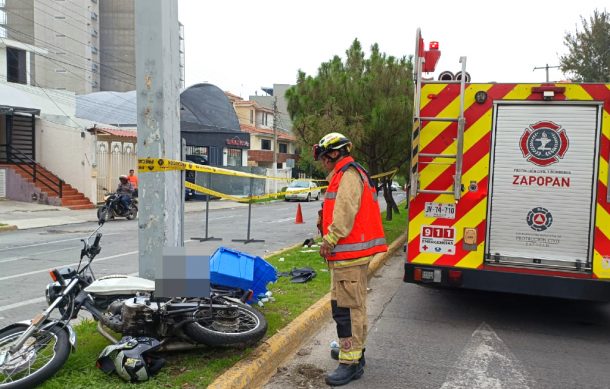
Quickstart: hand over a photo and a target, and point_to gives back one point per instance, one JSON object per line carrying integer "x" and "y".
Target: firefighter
{"x": 352, "y": 233}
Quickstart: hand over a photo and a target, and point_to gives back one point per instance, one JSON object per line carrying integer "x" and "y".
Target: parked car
{"x": 395, "y": 187}
{"x": 297, "y": 191}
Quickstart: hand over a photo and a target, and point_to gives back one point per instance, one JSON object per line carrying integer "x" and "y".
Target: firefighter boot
{"x": 334, "y": 354}
{"x": 344, "y": 374}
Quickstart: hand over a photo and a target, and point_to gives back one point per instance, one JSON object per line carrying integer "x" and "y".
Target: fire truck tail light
{"x": 417, "y": 274}
{"x": 455, "y": 276}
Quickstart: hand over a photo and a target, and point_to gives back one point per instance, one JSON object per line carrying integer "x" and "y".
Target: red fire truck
{"x": 509, "y": 185}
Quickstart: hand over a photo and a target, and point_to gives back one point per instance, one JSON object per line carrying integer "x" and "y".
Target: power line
{"x": 67, "y": 51}
{"x": 45, "y": 92}
{"x": 83, "y": 30}
{"x": 67, "y": 36}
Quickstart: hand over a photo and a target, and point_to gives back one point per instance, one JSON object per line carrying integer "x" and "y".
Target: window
{"x": 264, "y": 119}
{"x": 197, "y": 150}
{"x": 265, "y": 144}
{"x": 283, "y": 148}
{"x": 60, "y": 52}
{"x": 15, "y": 65}
{"x": 60, "y": 70}
{"x": 93, "y": 16}
{"x": 233, "y": 157}
{"x": 2, "y": 16}
{"x": 251, "y": 117}
{"x": 60, "y": 35}
{"x": 60, "y": 17}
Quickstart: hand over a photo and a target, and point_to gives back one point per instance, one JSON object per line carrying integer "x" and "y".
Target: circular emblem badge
{"x": 544, "y": 143}
{"x": 539, "y": 219}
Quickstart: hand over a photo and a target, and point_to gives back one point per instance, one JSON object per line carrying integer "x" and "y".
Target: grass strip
{"x": 198, "y": 368}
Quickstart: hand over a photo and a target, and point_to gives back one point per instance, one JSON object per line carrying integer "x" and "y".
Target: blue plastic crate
{"x": 233, "y": 268}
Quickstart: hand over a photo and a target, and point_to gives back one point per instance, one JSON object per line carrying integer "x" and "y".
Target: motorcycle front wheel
{"x": 103, "y": 213}
{"x": 132, "y": 213}
{"x": 240, "y": 324}
{"x": 40, "y": 357}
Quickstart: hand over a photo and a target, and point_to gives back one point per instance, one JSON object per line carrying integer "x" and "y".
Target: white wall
{"x": 61, "y": 149}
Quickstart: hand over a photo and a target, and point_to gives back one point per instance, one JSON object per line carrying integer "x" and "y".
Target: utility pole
{"x": 275, "y": 143}
{"x": 547, "y": 67}
{"x": 158, "y": 85}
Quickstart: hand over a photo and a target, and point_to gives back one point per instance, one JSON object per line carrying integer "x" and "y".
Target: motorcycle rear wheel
{"x": 42, "y": 355}
{"x": 239, "y": 325}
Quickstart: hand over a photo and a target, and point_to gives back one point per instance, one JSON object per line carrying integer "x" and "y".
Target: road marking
{"x": 279, "y": 220}
{"x": 486, "y": 362}
{"x": 22, "y": 303}
{"x": 34, "y": 300}
{"x": 69, "y": 264}
{"x": 38, "y": 253}
{"x": 51, "y": 242}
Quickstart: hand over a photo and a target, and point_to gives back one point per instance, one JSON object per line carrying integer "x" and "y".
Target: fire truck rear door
{"x": 542, "y": 189}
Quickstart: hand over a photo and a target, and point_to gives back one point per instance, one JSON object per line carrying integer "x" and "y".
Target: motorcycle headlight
{"x": 52, "y": 292}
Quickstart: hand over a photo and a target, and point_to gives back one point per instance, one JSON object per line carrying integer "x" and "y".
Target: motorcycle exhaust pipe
{"x": 106, "y": 334}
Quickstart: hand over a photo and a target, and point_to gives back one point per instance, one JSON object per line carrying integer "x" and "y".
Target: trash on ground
{"x": 299, "y": 275}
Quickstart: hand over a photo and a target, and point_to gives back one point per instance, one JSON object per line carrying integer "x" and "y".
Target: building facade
{"x": 258, "y": 121}
{"x": 90, "y": 44}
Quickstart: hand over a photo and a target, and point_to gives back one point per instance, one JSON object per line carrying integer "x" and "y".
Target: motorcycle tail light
{"x": 53, "y": 274}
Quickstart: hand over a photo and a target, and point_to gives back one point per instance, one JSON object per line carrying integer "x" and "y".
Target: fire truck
{"x": 508, "y": 184}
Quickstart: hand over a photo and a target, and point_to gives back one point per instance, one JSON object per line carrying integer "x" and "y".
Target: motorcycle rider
{"x": 125, "y": 191}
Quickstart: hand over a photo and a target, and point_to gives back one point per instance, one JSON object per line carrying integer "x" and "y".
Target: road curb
{"x": 262, "y": 364}
{"x": 7, "y": 228}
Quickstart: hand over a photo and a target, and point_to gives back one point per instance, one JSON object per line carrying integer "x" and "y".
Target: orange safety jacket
{"x": 366, "y": 237}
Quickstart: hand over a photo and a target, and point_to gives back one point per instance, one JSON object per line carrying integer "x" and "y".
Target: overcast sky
{"x": 241, "y": 45}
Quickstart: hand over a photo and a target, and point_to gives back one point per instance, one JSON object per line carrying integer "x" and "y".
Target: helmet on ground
{"x": 131, "y": 358}
{"x": 332, "y": 141}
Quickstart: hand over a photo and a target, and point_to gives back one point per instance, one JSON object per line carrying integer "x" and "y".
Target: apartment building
{"x": 89, "y": 44}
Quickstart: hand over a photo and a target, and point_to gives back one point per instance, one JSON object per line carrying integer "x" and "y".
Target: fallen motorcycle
{"x": 33, "y": 351}
{"x": 113, "y": 207}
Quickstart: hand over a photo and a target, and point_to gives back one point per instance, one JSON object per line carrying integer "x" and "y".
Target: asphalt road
{"x": 423, "y": 337}
{"x": 27, "y": 255}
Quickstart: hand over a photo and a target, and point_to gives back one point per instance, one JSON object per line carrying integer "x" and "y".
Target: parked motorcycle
{"x": 33, "y": 351}
{"x": 113, "y": 207}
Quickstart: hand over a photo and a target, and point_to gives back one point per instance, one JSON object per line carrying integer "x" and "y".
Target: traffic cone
{"x": 299, "y": 218}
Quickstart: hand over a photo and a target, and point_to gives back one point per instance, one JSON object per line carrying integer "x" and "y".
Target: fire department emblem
{"x": 539, "y": 219}
{"x": 544, "y": 143}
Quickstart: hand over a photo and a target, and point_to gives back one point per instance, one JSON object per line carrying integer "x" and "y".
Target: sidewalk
{"x": 33, "y": 215}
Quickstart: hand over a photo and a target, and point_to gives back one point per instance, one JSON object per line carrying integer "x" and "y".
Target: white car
{"x": 302, "y": 190}
{"x": 395, "y": 187}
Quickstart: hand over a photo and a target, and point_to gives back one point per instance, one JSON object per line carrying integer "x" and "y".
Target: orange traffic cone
{"x": 299, "y": 218}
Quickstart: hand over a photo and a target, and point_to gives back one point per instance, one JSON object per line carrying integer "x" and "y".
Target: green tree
{"x": 370, "y": 100}
{"x": 588, "y": 58}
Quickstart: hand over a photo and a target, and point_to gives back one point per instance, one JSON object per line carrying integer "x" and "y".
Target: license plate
{"x": 427, "y": 275}
{"x": 440, "y": 210}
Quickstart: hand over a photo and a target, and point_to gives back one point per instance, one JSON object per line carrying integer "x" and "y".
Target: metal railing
{"x": 13, "y": 156}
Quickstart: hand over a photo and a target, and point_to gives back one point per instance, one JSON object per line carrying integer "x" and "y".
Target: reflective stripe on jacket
{"x": 366, "y": 237}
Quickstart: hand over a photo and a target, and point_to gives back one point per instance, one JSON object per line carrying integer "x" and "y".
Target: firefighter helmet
{"x": 332, "y": 141}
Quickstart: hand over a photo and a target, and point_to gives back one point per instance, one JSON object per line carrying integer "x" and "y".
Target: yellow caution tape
{"x": 163, "y": 164}
{"x": 246, "y": 199}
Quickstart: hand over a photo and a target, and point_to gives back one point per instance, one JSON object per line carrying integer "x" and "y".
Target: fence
{"x": 111, "y": 163}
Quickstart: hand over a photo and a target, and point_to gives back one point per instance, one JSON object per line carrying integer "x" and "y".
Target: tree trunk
{"x": 391, "y": 206}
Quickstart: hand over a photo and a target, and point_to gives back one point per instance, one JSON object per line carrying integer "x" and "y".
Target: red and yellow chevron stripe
{"x": 442, "y": 100}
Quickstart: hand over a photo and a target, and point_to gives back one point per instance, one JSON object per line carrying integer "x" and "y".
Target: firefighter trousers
{"x": 348, "y": 303}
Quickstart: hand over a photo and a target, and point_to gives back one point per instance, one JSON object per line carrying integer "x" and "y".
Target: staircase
{"x": 70, "y": 197}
